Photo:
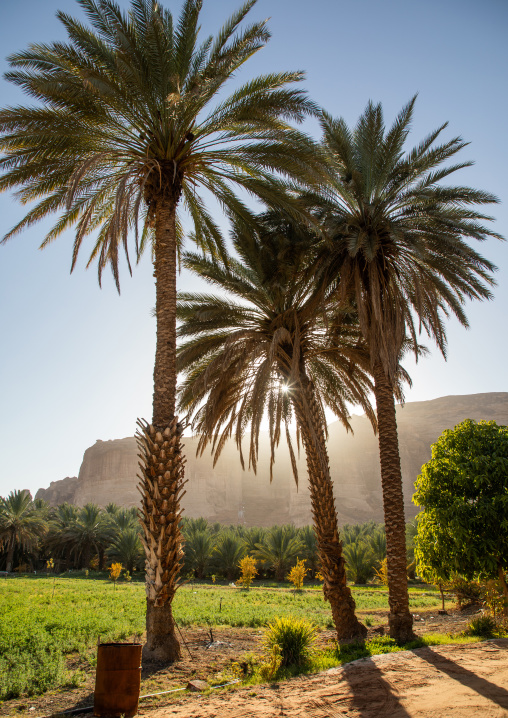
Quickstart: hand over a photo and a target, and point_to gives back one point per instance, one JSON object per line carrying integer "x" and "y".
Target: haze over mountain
{"x": 228, "y": 494}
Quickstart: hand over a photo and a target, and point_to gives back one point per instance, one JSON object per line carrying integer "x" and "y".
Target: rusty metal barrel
{"x": 117, "y": 679}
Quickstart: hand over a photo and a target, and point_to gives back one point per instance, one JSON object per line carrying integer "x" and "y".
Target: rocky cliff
{"x": 227, "y": 494}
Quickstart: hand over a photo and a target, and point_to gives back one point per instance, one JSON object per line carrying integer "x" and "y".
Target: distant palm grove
{"x": 361, "y": 245}
{"x": 37, "y": 537}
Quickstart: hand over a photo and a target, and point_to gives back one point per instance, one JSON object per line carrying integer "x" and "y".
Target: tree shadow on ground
{"x": 492, "y": 691}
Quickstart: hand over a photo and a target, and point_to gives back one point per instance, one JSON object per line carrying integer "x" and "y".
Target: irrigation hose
{"x": 87, "y": 709}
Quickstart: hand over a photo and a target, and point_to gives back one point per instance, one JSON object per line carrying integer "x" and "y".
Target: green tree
{"x": 395, "y": 244}
{"x": 21, "y": 523}
{"x": 360, "y": 561}
{"x": 126, "y": 548}
{"x": 279, "y": 550}
{"x": 88, "y": 534}
{"x": 273, "y": 349}
{"x": 463, "y": 490}
{"x": 133, "y": 121}
{"x": 229, "y": 550}
{"x": 198, "y": 548}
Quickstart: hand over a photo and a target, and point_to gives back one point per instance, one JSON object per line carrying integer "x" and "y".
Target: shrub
{"x": 292, "y": 639}
{"x": 248, "y": 568}
{"x": 467, "y": 592}
{"x": 483, "y": 626}
{"x": 114, "y": 572}
{"x": 297, "y": 575}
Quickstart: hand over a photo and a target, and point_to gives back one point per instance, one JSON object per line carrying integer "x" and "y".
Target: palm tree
{"x": 276, "y": 350}
{"x": 126, "y": 547}
{"x": 228, "y": 551}
{"x": 198, "y": 548}
{"x": 395, "y": 244}
{"x": 279, "y": 550}
{"x": 88, "y": 534}
{"x": 360, "y": 560}
{"x": 21, "y": 523}
{"x": 125, "y": 134}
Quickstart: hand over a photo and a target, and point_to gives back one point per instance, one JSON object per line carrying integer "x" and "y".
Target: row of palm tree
{"x": 133, "y": 123}
{"x": 32, "y": 532}
{"x": 74, "y": 537}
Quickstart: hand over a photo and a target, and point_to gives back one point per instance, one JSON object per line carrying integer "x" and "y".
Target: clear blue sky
{"x": 76, "y": 362}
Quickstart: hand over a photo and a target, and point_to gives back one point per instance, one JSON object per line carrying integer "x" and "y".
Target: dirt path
{"x": 459, "y": 681}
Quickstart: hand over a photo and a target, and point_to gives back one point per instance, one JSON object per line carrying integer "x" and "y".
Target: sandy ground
{"x": 458, "y": 681}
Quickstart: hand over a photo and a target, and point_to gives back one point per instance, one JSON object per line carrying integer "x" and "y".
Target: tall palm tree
{"x": 396, "y": 245}
{"x": 134, "y": 122}
{"x": 21, "y": 523}
{"x": 275, "y": 349}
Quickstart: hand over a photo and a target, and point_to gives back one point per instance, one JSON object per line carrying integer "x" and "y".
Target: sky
{"x": 76, "y": 361}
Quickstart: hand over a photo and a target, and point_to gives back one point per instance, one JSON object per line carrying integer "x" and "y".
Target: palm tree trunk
{"x": 162, "y": 465}
{"x": 400, "y": 619}
{"x": 10, "y": 552}
{"x": 335, "y": 588}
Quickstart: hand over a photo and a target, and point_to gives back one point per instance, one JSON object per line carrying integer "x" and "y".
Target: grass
{"x": 42, "y": 620}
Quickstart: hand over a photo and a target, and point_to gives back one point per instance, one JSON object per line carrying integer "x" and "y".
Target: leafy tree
{"x": 463, "y": 490}
{"x": 395, "y": 244}
{"x": 133, "y": 121}
{"x": 21, "y": 523}
{"x": 271, "y": 348}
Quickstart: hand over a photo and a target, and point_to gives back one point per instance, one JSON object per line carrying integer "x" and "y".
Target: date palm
{"x": 396, "y": 245}
{"x": 133, "y": 122}
{"x": 274, "y": 350}
{"x": 21, "y": 523}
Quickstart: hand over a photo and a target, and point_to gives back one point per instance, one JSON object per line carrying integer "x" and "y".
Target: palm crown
{"x": 248, "y": 356}
{"x": 126, "y": 123}
{"x": 395, "y": 235}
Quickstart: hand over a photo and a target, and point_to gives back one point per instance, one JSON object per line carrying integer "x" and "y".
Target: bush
{"x": 467, "y": 593}
{"x": 483, "y": 626}
{"x": 292, "y": 639}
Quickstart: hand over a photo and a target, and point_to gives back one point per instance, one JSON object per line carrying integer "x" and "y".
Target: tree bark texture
{"x": 10, "y": 552}
{"x": 400, "y": 619}
{"x": 161, "y": 459}
{"x": 333, "y": 569}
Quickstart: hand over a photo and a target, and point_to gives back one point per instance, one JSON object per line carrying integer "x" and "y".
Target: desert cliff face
{"x": 227, "y": 494}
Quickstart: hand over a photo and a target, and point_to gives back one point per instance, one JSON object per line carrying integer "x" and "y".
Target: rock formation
{"x": 227, "y": 494}
{"x": 59, "y": 492}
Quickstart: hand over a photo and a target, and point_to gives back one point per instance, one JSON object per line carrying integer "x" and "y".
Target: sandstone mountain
{"x": 227, "y": 494}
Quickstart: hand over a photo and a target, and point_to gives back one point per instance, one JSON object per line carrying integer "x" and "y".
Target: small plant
{"x": 382, "y": 572}
{"x": 467, "y": 592}
{"x": 86, "y": 573}
{"x": 293, "y": 638}
{"x": 484, "y": 626}
{"x": 94, "y": 563}
{"x": 269, "y": 667}
{"x": 249, "y": 571}
{"x": 492, "y": 596}
{"x": 127, "y": 576}
{"x": 297, "y": 574}
{"x": 368, "y": 621}
{"x": 50, "y": 565}
{"x": 115, "y": 571}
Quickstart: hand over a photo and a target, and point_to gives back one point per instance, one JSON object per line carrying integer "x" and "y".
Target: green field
{"x": 43, "y": 620}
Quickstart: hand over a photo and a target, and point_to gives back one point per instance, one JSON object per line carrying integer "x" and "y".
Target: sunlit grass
{"x": 42, "y": 620}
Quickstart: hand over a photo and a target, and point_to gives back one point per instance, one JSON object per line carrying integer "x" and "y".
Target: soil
{"x": 458, "y": 681}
